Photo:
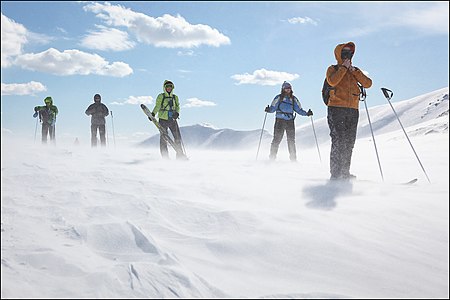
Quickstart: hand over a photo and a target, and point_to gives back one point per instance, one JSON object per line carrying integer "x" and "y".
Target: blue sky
{"x": 227, "y": 59}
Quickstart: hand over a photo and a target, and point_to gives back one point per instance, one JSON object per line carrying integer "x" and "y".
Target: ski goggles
{"x": 168, "y": 86}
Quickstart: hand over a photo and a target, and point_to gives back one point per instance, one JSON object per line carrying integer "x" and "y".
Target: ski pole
{"x": 35, "y": 130}
{"x": 106, "y": 133}
{"x": 363, "y": 98}
{"x": 317, "y": 144}
{"x": 112, "y": 122}
{"x": 262, "y": 130}
{"x": 388, "y": 98}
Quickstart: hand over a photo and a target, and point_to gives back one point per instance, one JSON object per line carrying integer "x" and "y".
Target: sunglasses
{"x": 169, "y": 86}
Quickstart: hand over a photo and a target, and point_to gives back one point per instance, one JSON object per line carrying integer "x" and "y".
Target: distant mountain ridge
{"x": 421, "y": 109}
{"x": 204, "y": 136}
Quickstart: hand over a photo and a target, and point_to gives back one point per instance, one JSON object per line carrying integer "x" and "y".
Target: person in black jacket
{"x": 98, "y": 111}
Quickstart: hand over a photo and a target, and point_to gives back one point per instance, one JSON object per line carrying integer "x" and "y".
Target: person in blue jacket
{"x": 285, "y": 105}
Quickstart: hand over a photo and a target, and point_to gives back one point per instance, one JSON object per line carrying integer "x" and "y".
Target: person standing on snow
{"x": 285, "y": 105}
{"x": 167, "y": 107}
{"x": 343, "y": 110}
{"x": 98, "y": 111}
{"x": 47, "y": 115}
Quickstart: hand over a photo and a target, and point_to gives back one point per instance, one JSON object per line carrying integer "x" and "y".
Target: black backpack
{"x": 326, "y": 88}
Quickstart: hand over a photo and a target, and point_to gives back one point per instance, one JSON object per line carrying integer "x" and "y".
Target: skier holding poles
{"x": 98, "y": 111}
{"x": 285, "y": 105}
{"x": 47, "y": 115}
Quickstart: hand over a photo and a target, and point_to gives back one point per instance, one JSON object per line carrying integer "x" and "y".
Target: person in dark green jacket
{"x": 168, "y": 109}
{"x": 47, "y": 115}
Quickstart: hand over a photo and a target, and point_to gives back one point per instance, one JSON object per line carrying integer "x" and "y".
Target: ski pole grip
{"x": 386, "y": 93}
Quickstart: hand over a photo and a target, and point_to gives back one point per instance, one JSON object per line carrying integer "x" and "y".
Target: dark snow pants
{"x": 165, "y": 124}
{"x": 278, "y": 131}
{"x": 102, "y": 131}
{"x": 47, "y": 129}
{"x": 343, "y": 123}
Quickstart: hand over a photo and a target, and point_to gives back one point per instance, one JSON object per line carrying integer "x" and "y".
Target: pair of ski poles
{"x": 262, "y": 130}
{"x": 388, "y": 95}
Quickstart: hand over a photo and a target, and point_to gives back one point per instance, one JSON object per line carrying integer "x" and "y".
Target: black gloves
{"x": 153, "y": 114}
{"x": 309, "y": 113}
{"x": 175, "y": 115}
{"x": 36, "y": 108}
{"x": 267, "y": 109}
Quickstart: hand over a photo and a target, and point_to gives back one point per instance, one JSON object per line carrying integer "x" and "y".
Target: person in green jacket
{"x": 168, "y": 109}
{"x": 47, "y": 115}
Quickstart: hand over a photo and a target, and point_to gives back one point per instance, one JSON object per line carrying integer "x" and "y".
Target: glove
{"x": 35, "y": 115}
{"x": 175, "y": 115}
{"x": 153, "y": 114}
{"x": 36, "y": 108}
{"x": 267, "y": 109}
{"x": 309, "y": 113}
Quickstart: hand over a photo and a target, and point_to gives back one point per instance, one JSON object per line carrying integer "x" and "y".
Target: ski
{"x": 164, "y": 135}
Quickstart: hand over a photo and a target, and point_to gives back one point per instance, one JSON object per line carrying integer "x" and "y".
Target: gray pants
{"x": 102, "y": 131}
{"x": 278, "y": 131}
{"x": 343, "y": 123}
{"x": 165, "y": 124}
{"x": 47, "y": 129}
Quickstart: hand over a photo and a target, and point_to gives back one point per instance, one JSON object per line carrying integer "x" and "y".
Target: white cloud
{"x": 108, "y": 39}
{"x": 426, "y": 18}
{"x": 433, "y": 19}
{"x": 29, "y": 88}
{"x": 71, "y": 62}
{"x": 186, "y": 53}
{"x": 14, "y": 36}
{"x": 166, "y": 31}
{"x": 133, "y": 100}
{"x": 264, "y": 77}
{"x": 300, "y": 20}
{"x": 195, "y": 102}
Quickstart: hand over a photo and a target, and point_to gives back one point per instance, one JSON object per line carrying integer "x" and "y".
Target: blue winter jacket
{"x": 285, "y": 109}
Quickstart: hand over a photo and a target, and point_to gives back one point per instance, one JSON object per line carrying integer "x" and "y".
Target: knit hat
{"x": 286, "y": 85}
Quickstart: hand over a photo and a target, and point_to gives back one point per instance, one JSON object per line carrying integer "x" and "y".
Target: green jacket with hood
{"x": 47, "y": 113}
{"x": 163, "y": 101}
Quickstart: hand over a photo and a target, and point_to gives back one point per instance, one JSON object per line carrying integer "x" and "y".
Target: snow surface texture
{"x": 122, "y": 222}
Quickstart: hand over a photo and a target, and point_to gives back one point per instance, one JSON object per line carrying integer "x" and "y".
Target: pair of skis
{"x": 180, "y": 152}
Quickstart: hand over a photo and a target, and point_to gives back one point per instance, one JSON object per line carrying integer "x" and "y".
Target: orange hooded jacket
{"x": 346, "y": 90}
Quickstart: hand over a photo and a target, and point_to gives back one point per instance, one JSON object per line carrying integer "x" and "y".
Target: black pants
{"x": 165, "y": 124}
{"x": 278, "y": 131}
{"x": 47, "y": 129}
{"x": 102, "y": 131}
{"x": 343, "y": 123}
